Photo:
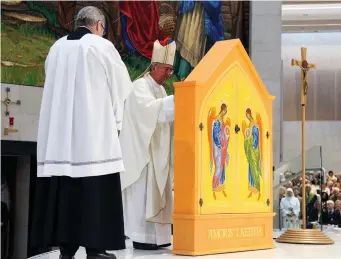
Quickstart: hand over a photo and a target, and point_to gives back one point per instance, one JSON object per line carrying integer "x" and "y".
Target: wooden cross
{"x": 305, "y": 66}
{"x": 8, "y": 101}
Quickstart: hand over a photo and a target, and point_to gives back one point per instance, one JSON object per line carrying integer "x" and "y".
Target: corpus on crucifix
{"x": 305, "y": 66}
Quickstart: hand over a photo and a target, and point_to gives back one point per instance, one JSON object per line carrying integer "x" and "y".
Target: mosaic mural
{"x": 29, "y": 28}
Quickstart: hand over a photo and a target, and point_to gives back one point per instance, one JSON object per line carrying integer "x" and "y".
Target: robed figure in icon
{"x": 218, "y": 139}
{"x": 252, "y": 147}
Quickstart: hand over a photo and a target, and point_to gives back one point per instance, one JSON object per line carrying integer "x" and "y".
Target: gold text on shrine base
{"x": 235, "y": 232}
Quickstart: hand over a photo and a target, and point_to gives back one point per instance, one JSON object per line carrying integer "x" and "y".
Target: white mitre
{"x": 164, "y": 54}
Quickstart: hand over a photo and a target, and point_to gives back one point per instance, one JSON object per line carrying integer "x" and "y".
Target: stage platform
{"x": 282, "y": 251}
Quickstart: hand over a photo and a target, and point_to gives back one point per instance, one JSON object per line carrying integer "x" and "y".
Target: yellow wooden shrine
{"x": 223, "y": 156}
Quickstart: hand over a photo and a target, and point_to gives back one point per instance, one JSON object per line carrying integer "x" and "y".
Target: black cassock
{"x": 83, "y": 211}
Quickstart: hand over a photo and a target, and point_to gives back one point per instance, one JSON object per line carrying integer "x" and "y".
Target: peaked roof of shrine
{"x": 218, "y": 59}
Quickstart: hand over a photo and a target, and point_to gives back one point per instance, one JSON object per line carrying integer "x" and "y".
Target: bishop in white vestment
{"x": 78, "y": 194}
{"x": 146, "y": 141}
{"x": 290, "y": 210}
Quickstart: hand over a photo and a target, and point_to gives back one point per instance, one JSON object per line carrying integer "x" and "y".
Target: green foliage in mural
{"x": 50, "y": 15}
{"x": 27, "y": 40}
{"x": 23, "y": 53}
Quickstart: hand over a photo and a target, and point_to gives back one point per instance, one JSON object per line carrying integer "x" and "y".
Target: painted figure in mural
{"x": 218, "y": 138}
{"x": 200, "y": 25}
{"x": 252, "y": 148}
{"x": 132, "y": 26}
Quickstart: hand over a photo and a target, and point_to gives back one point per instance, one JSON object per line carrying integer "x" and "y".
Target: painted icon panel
{"x": 234, "y": 146}
{"x": 253, "y": 154}
{"x": 217, "y": 163}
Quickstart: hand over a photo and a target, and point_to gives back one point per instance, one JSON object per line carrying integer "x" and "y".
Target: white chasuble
{"x": 147, "y": 151}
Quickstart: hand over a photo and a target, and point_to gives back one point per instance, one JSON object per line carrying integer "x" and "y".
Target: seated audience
{"x": 313, "y": 212}
{"x": 330, "y": 187}
{"x": 336, "y": 195}
{"x": 297, "y": 193}
{"x": 331, "y": 176}
{"x": 315, "y": 185}
{"x": 298, "y": 196}
{"x": 323, "y": 199}
{"x": 325, "y": 189}
{"x": 337, "y": 205}
{"x": 311, "y": 197}
{"x": 281, "y": 193}
{"x": 331, "y": 216}
{"x": 289, "y": 184}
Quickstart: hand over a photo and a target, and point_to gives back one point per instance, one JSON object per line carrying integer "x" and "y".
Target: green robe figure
{"x": 252, "y": 148}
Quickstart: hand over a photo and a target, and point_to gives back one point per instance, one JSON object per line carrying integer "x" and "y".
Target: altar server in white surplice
{"x": 78, "y": 191}
{"x": 146, "y": 141}
{"x": 290, "y": 209}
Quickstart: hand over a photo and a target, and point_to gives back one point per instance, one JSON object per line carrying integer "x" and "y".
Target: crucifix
{"x": 304, "y": 235}
{"x": 305, "y": 66}
{"x": 8, "y": 101}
